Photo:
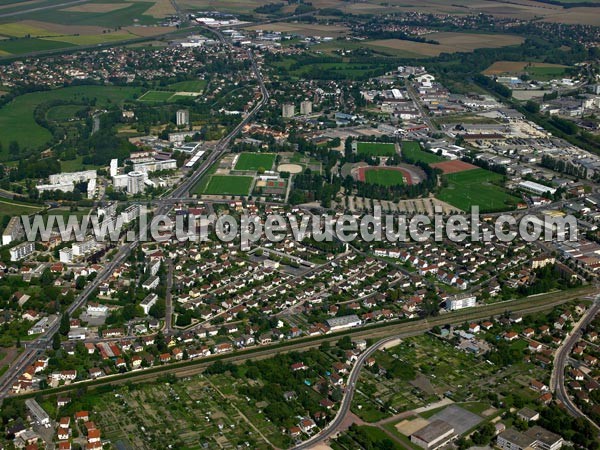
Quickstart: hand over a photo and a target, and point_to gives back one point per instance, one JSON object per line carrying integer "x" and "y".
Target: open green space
{"x": 375, "y": 148}
{"x": 28, "y": 45}
{"x": 10, "y": 208}
{"x": 255, "y": 161}
{"x": 17, "y": 122}
{"x": 228, "y": 185}
{"x": 132, "y": 14}
{"x": 156, "y": 96}
{"x": 412, "y": 151}
{"x": 384, "y": 177}
{"x": 63, "y": 113}
{"x": 478, "y": 187}
{"x": 546, "y": 73}
{"x": 189, "y": 86}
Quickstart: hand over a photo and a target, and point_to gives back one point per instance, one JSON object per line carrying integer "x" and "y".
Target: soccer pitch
{"x": 228, "y": 185}
{"x": 255, "y": 161}
{"x": 375, "y": 148}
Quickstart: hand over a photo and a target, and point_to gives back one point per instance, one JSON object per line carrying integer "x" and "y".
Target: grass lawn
{"x": 255, "y": 161}
{"x": 63, "y": 113}
{"x": 375, "y": 148}
{"x": 9, "y": 208}
{"x": 546, "y": 73}
{"x": 384, "y": 177}
{"x": 412, "y": 151}
{"x": 75, "y": 165}
{"x": 156, "y": 96}
{"x": 228, "y": 185}
{"x": 27, "y": 45}
{"x": 16, "y": 117}
{"x": 477, "y": 187}
{"x": 189, "y": 86}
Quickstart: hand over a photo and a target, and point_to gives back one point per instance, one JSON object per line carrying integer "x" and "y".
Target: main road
{"x": 557, "y": 378}
{"x": 39, "y": 345}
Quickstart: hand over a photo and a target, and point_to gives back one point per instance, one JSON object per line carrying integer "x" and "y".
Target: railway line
{"x": 184, "y": 369}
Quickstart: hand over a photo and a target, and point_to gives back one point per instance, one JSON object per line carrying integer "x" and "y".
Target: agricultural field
{"x": 384, "y": 177}
{"x": 334, "y": 69}
{"x": 478, "y": 187}
{"x": 536, "y": 70}
{"x": 376, "y": 148}
{"x": 412, "y": 151}
{"x": 450, "y": 42}
{"x": 17, "y": 122}
{"x": 255, "y": 161}
{"x": 303, "y": 29}
{"x": 228, "y": 185}
{"x": 92, "y": 23}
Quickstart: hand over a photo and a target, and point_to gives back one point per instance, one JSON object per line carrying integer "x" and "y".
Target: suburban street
{"x": 561, "y": 358}
{"x": 36, "y": 347}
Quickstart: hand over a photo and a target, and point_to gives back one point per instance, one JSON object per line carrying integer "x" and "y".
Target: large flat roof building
{"x": 339, "y": 323}
{"x": 434, "y": 435}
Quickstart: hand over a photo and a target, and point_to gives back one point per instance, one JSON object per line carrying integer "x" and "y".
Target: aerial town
{"x": 299, "y": 225}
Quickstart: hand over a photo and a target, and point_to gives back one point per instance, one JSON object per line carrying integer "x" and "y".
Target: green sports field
{"x": 228, "y": 185}
{"x": 189, "y": 86}
{"x": 412, "y": 151}
{"x": 255, "y": 161}
{"x": 478, "y": 187}
{"x": 156, "y": 96}
{"x": 375, "y": 148}
{"x": 384, "y": 177}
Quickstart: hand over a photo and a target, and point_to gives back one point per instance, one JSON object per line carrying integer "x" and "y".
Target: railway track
{"x": 184, "y": 369}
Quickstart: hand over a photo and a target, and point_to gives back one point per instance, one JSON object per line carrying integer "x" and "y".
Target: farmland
{"x": 450, "y": 43}
{"x": 375, "y": 148}
{"x": 536, "y": 70}
{"x": 412, "y": 151}
{"x": 303, "y": 29}
{"x": 477, "y": 187}
{"x": 17, "y": 122}
{"x": 228, "y": 185}
{"x": 384, "y": 176}
{"x": 255, "y": 161}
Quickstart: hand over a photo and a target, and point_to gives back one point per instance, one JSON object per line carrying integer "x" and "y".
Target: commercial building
{"x": 21, "y": 251}
{"x": 38, "y": 412}
{"x": 182, "y": 117}
{"x": 287, "y": 110}
{"x": 135, "y": 182}
{"x": 460, "y": 302}
{"x": 306, "y": 107}
{"x": 13, "y": 231}
{"x": 536, "y": 188}
{"x": 340, "y": 323}
{"x": 434, "y": 435}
